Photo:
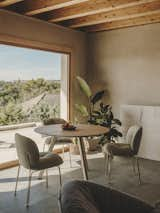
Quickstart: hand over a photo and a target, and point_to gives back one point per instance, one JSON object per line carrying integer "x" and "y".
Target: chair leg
{"x": 109, "y": 168}
{"x": 105, "y": 164}
{"x": 17, "y": 180}
{"x": 59, "y": 201}
{"x": 29, "y": 186}
{"x": 44, "y": 146}
{"x": 60, "y": 178}
{"x": 63, "y": 151}
{"x": 46, "y": 178}
{"x": 138, "y": 169}
{"x": 133, "y": 165}
{"x": 70, "y": 159}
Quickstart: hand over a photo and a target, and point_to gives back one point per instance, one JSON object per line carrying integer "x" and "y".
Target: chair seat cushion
{"x": 48, "y": 160}
{"x": 120, "y": 149}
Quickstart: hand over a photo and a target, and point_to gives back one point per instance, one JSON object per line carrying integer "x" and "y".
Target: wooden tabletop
{"x": 82, "y": 130}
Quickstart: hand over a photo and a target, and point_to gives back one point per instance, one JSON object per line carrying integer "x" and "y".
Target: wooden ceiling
{"x": 89, "y": 15}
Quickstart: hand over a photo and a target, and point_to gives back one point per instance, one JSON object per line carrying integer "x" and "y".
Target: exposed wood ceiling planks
{"x": 89, "y": 15}
{"x": 5, "y": 3}
{"x": 33, "y": 7}
{"x": 125, "y": 23}
{"x": 92, "y": 7}
{"x": 120, "y": 14}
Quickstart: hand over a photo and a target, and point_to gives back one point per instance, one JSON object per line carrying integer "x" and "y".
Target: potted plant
{"x": 102, "y": 115}
{"x": 87, "y": 110}
{"x": 92, "y": 99}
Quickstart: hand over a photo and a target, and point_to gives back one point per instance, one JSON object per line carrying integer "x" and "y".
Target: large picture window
{"x": 33, "y": 87}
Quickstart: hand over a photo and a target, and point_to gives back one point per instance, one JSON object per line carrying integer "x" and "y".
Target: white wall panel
{"x": 149, "y": 118}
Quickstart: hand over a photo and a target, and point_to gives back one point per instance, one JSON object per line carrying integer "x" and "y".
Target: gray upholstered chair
{"x": 60, "y": 140}
{"x": 128, "y": 149}
{"x": 30, "y": 158}
{"x": 86, "y": 197}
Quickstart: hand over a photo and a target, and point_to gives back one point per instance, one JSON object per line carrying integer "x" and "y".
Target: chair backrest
{"x": 27, "y": 151}
{"x": 133, "y": 137}
{"x": 51, "y": 121}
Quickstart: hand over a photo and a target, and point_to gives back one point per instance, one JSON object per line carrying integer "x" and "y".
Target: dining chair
{"x": 31, "y": 159}
{"x": 128, "y": 149}
{"x": 58, "y": 140}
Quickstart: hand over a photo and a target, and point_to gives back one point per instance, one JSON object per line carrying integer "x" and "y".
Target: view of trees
{"x": 24, "y": 101}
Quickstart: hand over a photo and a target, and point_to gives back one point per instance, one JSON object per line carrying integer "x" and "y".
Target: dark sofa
{"x": 87, "y": 197}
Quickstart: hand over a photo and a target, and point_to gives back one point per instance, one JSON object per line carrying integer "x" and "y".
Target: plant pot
{"x": 74, "y": 149}
{"x": 92, "y": 144}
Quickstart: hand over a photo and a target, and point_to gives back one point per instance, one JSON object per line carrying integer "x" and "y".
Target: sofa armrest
{"x": 83, "y": 197}
{"x": 87, "y": 197}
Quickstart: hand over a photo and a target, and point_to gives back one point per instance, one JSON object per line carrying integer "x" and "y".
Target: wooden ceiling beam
{"x": 83, "y": 9}
{"x": 149, "y": 19}
{"x": 121, "y": 14}
{"x": 5, "y": 3}
{"x": 34, "y": 7}
{"x": 91, "y": 7}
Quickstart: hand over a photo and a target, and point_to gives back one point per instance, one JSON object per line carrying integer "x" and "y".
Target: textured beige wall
{"x": 127, "y": 63}
{"x": 36, "y": 30}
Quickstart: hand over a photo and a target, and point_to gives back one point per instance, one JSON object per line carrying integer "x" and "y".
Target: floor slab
{"x": 44, "y": 200}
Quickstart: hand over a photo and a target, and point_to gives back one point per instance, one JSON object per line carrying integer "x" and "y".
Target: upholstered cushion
{"x": 87, "y": 197}
{"x": 133, "y": 137}
{"x": 42, "y": 154}
{"x": 29, "y": 156}
{"x": 27, "y": 151}
{"x": 129, "y": 148}
{"x": 120, "y": 149}
{"x": 48, "y": 160}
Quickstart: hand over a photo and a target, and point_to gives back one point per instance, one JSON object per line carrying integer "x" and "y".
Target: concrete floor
{"x": 44, "y": 200}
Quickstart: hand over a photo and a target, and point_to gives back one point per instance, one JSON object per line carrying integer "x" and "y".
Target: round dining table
{"x": 81, "y": 131}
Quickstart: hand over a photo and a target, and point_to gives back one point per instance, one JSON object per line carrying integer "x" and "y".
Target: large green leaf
{"x": 84, "y": 86}
{"x": 82, "y": 109}
{"x": 117, "y": 121}
{"x": 97, "y": 97}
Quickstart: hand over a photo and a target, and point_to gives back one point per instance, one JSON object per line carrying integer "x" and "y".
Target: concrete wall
{"x": 127, "y": 63}
{"x": 35, "y": 30}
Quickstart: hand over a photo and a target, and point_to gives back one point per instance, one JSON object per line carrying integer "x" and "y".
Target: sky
{"x": 25, "y": 64}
